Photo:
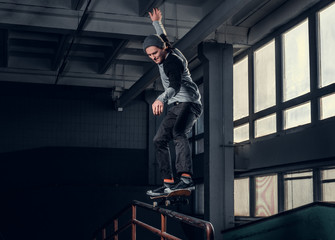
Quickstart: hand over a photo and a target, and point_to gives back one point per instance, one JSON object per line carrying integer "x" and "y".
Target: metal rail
{"x": 113, "y": 225}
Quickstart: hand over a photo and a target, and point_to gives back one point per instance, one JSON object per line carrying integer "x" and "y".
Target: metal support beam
{"x": 250, "y": 9}
{"x": 112, "y": 56}
{"x": 231, "y": 35}
{"x": 38, "y": 18}
{"x": 76, "y": 33}
{"x": 288, "y": 11}
{"x": 65, "y": 21}
{"x": 138, "y": 87}
{"x": 118, "y": 26}
{"x": 218, "y": 135}
{"x": 60, "y": 52}
{"x": 77, "y": 4}
{"x": 3, "y": 48}
{"x": 220, "y": 14}
{"x": 189, "y": 42}
{"x": 75, "y": 79}
{"x": 144, "y": 6}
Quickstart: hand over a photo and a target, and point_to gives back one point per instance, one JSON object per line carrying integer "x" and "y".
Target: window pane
{"x": 328, "y": 188}
{"x": 328, "y": 174}
{"x": 200, "y": 122}
{"x": 265, "y": 126}
{"x": 297, "y": 116}
{"x": 265, "y": 77}
{"x": 199, "y": 146}
{"x": 200, "y": 125}
{"x": 266, "y": 196}
{"x": 298, "y": 189}
{"x": 327, "y": 106}
{"x": 327, "y": 45}
{"x": 241, "y": 197}
{"x": 296, "y": 62}
{"x": 241, "y": 133}
{"x": 328, "y": 192}
{"x": 241, "y": 102}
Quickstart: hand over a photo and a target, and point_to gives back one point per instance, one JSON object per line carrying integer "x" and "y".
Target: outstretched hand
{"x": 156, "y": 15}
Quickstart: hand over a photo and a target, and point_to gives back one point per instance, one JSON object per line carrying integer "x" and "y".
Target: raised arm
{"x": 156, "y": 18}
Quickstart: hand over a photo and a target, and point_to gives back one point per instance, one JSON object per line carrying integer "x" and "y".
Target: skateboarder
{"x": 182, "y": 96}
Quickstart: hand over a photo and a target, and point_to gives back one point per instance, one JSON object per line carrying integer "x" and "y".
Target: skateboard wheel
{"x": 167, "y": 203}
{"x": 154, "y": 204}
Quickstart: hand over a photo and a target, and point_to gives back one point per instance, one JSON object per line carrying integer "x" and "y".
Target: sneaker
{"x": 185, "y": 183}
{"x": 161, "y": 190}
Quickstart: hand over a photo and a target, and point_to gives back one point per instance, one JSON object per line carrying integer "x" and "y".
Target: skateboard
{"x": 173, "y": 198}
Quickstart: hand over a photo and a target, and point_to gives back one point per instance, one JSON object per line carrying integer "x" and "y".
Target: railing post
{"x": 104, "y": 234}
{"x": 163, "y": 225}
{"x": 116, "y": 227}
{"x": 133, "y": 225}
{"x": 164, "y": 214}
{"x": 209, "y": 231}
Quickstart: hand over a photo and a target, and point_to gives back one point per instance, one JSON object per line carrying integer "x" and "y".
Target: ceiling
{"x": 98, "y": 43}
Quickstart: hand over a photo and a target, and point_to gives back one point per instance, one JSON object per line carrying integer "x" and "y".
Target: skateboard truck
{"x": 173, "y": 198}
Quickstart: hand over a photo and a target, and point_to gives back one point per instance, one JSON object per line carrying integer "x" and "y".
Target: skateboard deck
{"x": 175, "y": 197}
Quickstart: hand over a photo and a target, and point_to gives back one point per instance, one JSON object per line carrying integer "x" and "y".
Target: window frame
{"x": 317, "y": 182}
{"x": 316, "y": 92}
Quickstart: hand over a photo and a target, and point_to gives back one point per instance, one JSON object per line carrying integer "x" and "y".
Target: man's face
{"x": 156, "y": 54}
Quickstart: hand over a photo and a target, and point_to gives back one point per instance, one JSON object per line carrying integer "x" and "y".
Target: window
{"x": 198, "y": 139}
{"x": 241, "y": 133}
{"x": 265, "y": 77}
{"x": 266, "y": 196}
{"x": 265, "y": 126}
{"x": 240, "y": 89}
{"x": 267, "y": 113}
{"x": 296, "y": 80}
{"x": 241, "y": 197}
{"x": 327, "y": 46}
{"x": 297, "y": 116}
{"x": 328, "y": 185}
{"x": 283, "y": 95}
{"x": 200, "y": 122}
{"x": 298, "y": 189}
{"x": 327, "y": 106}
{"x": 199, "y": 146}
{"x": 200, "y": 125}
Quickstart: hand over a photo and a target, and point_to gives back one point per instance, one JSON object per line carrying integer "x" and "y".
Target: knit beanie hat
{"x": 153, "y": 40}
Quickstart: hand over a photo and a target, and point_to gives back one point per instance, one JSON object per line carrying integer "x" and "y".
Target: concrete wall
{"x": 310, "y": 144}
{"x": 68, "y": 161}
{"x": 34, "y": 116}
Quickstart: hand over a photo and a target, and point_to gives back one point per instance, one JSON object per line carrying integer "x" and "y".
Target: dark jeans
{"x": 175, "y": 126}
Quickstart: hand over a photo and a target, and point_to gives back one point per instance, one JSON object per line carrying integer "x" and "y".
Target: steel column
{"x": 133, "y": 224}
{"x": 219, "y": 151}
{"x": 116, "y": 228}
{"x": 163, "y": 225}
{"x": 104, "y": 236}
